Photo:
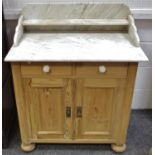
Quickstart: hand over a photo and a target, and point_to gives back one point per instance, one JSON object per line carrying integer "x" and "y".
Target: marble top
{"x": 76, "y": 32}
{"x": 39, "y": 47}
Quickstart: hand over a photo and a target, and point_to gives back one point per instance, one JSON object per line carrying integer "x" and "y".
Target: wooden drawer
{"x": 46, "y": 69}
{"x": 112, "y": 70}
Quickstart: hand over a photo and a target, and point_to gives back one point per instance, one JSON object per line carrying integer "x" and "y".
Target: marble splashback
{"x": 76, "y": 11}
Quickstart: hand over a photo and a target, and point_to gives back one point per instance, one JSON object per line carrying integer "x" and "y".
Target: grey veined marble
{"x": 76, "y": 47}
{"x": 76, "y": 11}
{"x": 76, "y": 32}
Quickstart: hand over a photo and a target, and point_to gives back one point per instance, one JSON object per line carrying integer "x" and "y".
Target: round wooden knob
{"x": 102, "y": 69}
{"x": 46, "y": 69}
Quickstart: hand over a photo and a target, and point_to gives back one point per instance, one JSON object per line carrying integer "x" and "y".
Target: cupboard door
{"x": 48, "y": 100}
{"x": 98, "y": 101}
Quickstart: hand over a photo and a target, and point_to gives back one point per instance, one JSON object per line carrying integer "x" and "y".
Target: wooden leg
{"x": 118, "y": 148}
{"x": 27, "y": 147}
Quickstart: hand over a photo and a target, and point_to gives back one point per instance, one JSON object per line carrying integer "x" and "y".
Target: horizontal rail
{"x": 76, "y": 22}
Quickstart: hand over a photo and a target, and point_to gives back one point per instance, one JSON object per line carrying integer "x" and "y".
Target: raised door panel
{"x": 47, "y": 100}
{"x": 97, "y": 99}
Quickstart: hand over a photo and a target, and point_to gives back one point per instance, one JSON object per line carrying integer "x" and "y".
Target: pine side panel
{"x": 126, "y": 108}
{"x": 23, "y": 118}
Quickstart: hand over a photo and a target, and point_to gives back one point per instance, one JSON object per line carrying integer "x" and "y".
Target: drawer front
{"x": 112, "y": 70}
{"x": 46, "y": 69}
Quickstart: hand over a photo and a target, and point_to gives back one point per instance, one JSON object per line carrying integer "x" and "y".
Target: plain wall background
{"x": 142, "y": 98}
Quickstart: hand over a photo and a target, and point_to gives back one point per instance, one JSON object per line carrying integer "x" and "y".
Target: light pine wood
{"x": 74, "y": 141}
{"x": 116, "y": 70}
{"x": 48, "y": 104}
{"x": 28, "y": 148}
{"x": 97, "y": 98}
{"x": 127, "y": 100}
{"x": 36, "y": 69}
{"x": 118, "y": 148}
{"x": 23, "y": 117}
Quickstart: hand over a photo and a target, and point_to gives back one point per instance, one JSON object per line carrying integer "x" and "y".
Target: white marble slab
{"x": 111, "y": 47}
{"x": 76, "y": 22}
{"x": 76, "y": 11}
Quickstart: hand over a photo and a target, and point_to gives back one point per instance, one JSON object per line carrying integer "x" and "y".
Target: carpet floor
{"x": 139, "y": 141}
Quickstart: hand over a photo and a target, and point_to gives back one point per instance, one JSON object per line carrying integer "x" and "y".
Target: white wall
{"x": 143, "y": 88}
{"x": 131, "y": 3}
{"x": 142, "y": 11}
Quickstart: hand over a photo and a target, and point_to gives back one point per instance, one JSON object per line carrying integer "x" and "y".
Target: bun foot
{"x": 27, "y": 147}
{"x": 118, "y": 148}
